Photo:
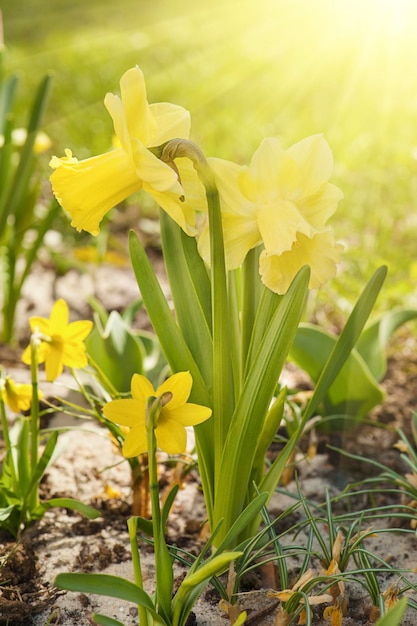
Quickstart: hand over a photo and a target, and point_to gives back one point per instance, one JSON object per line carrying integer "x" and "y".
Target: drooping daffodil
{"x": 88, "y": 189}
{"x": 175, "y": 414}
{"x": 60, "y": 343}
{"x": 17, "y": 396}
{"x": 282, "y": 201}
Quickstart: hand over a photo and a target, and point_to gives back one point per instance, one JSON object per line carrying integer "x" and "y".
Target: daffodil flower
{"x": 17, "y": 396}
{"x": 282, "y": 201}
{"x": 88, "y": 189}
{"x": 61, "y": 343}
{"x": 175, "y": 414}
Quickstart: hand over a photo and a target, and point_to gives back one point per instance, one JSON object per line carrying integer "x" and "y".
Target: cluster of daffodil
{"x": 242, "y": 245}
{"x": 56, "y": 343}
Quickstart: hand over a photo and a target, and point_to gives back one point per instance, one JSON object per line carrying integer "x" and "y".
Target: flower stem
{"x": 132, "y": 526}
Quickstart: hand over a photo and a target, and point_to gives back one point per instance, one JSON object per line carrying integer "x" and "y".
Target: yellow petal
{"x": 180, "y": 386}
{"x": 318, "y": 207}
{"x": 74, "y": 354}
{"x": 77, "y": 331}
{"x": 127, "y": 412}
{"x": 42, "y": 324}
{"x": 171, "y": 436}
{"x": 279, "y": 224}
{"x": 135, "y": 443}
{"x": 89, "y": 189}
{"x": 319, "y": 252}
{"x": 58, "y": 319}
{"x": 272, "y": 173}
{"x": 315, "y": 160}
{"x": 142, "y": 388}
{"x": 153, "y": 172}
{"x": 140, "y": 121}
{"x": 54, "y": 360}
{"x": 172, "y": 121}
{"x": 189, "y": 414}
{"x": 181, "y": 212}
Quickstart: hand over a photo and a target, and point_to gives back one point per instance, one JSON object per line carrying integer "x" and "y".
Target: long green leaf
{"x": 354, "y": 391}
{"x": 70, "y": 503}
{"x": 345, "y": 343}
{"x": 104, "y": 620}
{"x": 191, "y": 317}
{"x": 172, "y": 342}
{"x": 107, "y": 585}
{"x": 247, "y": 423}
{"x": 177, "y": 354}
{"x": 374, "y": 339}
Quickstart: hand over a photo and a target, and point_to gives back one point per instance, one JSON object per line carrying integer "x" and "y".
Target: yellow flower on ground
{"x": 282, "y": 201}
{"x": 88, "y": 189}
{"x": 61, "y": 343}
{"x": 175, "y": 414}
{"x": 17, "y": 396}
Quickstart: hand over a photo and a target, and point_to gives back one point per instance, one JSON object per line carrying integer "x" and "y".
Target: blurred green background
{"x": 247, "y": 69}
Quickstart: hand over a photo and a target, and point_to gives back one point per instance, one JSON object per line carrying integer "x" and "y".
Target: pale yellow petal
{"x": 127, "y": 412}
{"x": 135, "y": 443}
{"x": 194, "y": 190}
{"x": 89, "y": 189}
{"x": 171, "y": 436}
{"x": 181, "y": 212}
{"x": 179, "y": 385}
{"x": 172, "y": 121}
{"x": 271, "y": 174}
{"x": 315, "y": 160}
{"x": 320, "y": 252}
{"x": 227, "y": 176}
{"x": 319, "y": 207}
{"x": 140, "y": 121}
{"x": 153, "y": 172}
{"x": 189, "y": 414}
{"x": 279, "y": 225}
{"x": 142, "y": 388}
{"x": 115, "y": 108}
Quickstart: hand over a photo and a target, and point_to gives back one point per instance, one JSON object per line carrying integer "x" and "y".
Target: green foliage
{"x": 23, "y": 224}
{"x": 355, "y": 390}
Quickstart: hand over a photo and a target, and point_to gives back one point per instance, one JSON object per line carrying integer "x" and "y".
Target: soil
{"x": 90, "y": 469}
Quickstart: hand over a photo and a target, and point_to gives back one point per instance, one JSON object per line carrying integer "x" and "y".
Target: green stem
{"x": 33, "y": 497}
{"x": 163, "y": 564}
{"x": 34, "y": 413}
{"x": 132, "y": 526}
{"x": 223, "y": 394}
{"x": 249, "y": 300}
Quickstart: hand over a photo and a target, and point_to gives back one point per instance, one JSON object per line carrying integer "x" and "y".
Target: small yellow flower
{"x": 61, "y": 343}
{"x": 17, "y": 396}
{"x": 177, "y": 413}
{"x": 282, "y": 201}
{"x": 88, "y": 189}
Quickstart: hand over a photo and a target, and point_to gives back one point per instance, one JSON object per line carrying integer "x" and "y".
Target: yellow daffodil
{"x": 88, "y": 189}
{"x": 282, "y": 201}
{"x": 61, "y": 343}
{"x": 17, "y": 396}
{"x": 175, "y": 414}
